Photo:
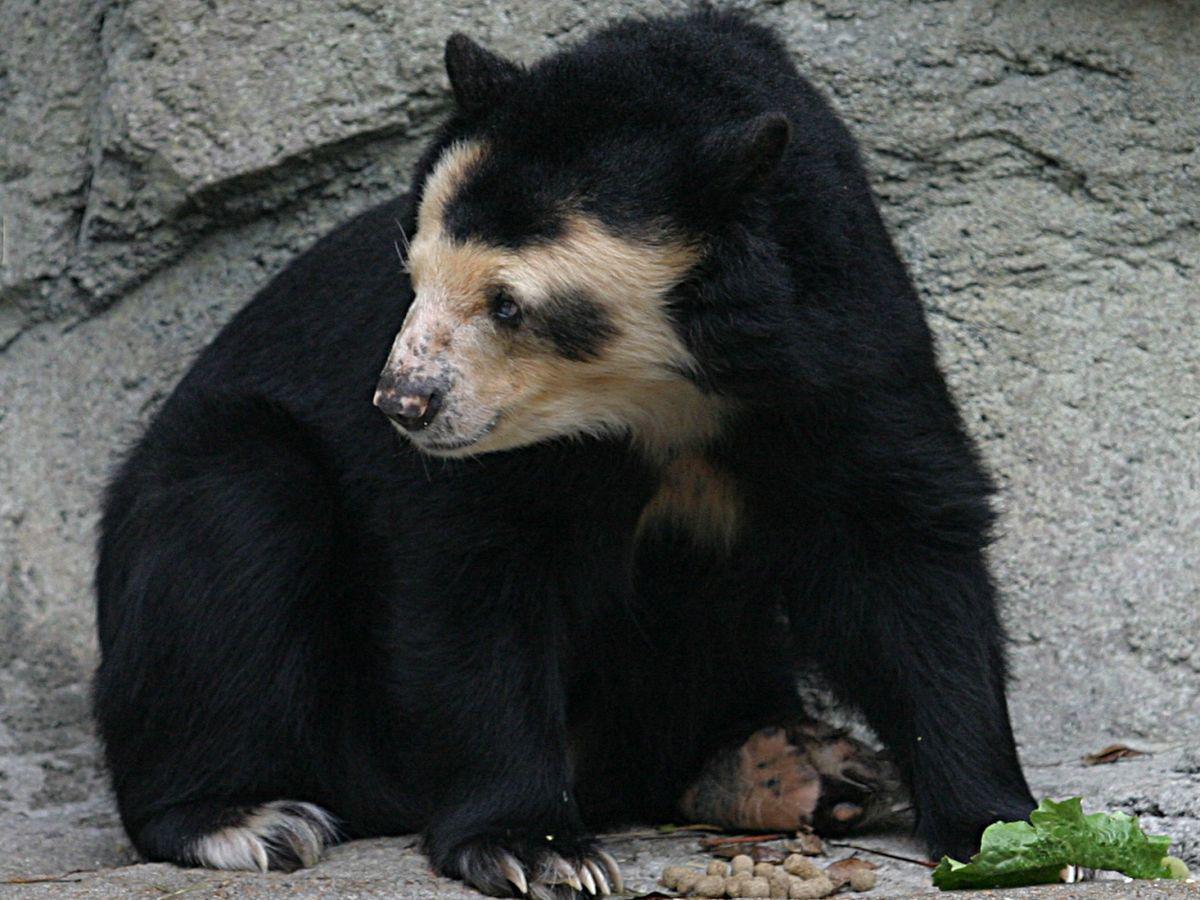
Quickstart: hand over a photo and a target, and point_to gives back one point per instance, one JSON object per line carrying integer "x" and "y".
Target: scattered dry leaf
{"x": 807, "y": 844}
{"x": 761, "y": 853}
{"x": 842, "y": 871}
{"x": 1111, "y": 754}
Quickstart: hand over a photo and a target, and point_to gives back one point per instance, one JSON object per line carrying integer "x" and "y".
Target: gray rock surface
{"x": 1038, "y": 162}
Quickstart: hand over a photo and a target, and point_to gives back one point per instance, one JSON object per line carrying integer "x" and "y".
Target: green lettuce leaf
{"x": 1057, "y": 835}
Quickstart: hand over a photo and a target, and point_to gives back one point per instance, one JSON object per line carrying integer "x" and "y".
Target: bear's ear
{"x": 478, "y": 77}
{"x": 741, "y": 157}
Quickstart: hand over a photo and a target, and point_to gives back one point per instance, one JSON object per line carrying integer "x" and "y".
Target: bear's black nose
{"x": 411, "y": 406}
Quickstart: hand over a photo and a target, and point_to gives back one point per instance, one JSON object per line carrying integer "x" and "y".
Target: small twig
{"x": 640, "y": 836}
{"x": 191, "y": 887}
{"x": 41, "y": 879}
{"x": 896, "y": 856}
{"x": 710, "y": 843}
{"x": 650, "y": 834}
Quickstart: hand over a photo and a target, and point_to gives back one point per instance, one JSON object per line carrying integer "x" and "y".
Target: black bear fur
{"x": 294, "y": 603}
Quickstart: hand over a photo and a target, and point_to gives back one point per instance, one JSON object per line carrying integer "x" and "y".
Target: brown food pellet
{"x": 670, "y": 876}
{"x": 756, "y": 887}
{"x": 807, "y": 843}
{"x": 688, "y": 880}
{"x": 797, "y": 878}
{"x": 801, "y": 866}
{"x": 862, "y": 880}
{"x": 810, "y": 888}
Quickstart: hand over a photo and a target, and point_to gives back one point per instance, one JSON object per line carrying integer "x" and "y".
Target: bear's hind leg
{"x": 711, "y": 722}
{"x": 801, "y": 772}
{"x": 282, "y": 835}
{"x": 217, "y": 690}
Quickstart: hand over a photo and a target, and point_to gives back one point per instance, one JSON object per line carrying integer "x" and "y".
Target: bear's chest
{"x": 695, "y": 497}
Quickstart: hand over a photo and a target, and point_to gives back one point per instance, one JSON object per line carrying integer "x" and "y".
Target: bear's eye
{"x": 504, "y": 308}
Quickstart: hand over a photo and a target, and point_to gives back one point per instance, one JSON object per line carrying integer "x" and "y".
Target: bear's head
{"x": 560, "y": 219}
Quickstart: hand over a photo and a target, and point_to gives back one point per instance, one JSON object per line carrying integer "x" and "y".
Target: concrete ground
{"x": 79, "y": 850}
{"x": 391, "y": 868}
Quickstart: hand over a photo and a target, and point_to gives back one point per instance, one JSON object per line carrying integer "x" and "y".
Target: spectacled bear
{"x": 659, "y": 425}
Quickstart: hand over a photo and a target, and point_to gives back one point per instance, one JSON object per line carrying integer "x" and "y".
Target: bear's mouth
{"x": 441, "y": 448}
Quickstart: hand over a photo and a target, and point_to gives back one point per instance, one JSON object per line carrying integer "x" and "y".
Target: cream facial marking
{"x": 595, "y": 353}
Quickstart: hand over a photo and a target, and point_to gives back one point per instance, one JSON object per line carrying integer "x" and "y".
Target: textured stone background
{"x": 1038, "y": 161}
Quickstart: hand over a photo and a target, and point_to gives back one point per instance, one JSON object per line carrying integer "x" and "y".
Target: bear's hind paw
{"x": 806, "y": 773}
{"x": 284, "y": 835}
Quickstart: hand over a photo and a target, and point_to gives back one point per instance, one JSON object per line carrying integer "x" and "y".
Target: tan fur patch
{"x": 511, "y": 391}
{"x": 698, "y": 498}
{"x": 636, "y": 384}
{"x": 452, "y": 169}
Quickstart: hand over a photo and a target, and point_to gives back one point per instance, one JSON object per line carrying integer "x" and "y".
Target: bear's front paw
{"x": 956, "y": 832}
{"x": 544, "y": 868}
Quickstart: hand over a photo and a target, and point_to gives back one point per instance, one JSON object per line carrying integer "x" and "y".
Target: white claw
{"x": 614, "y": 871}
{"x": 514, "y": 872}
{"x": 565, "y": 873}
{"x": 597, "y": 871}
{"x": 586, "y": 879}
{"x": 260, "y": 856}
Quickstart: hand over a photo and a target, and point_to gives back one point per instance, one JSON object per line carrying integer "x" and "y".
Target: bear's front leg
{"x": 485, "y": 686}
{"x": 913, "y": 639}
{"x": 521, "y": 862}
